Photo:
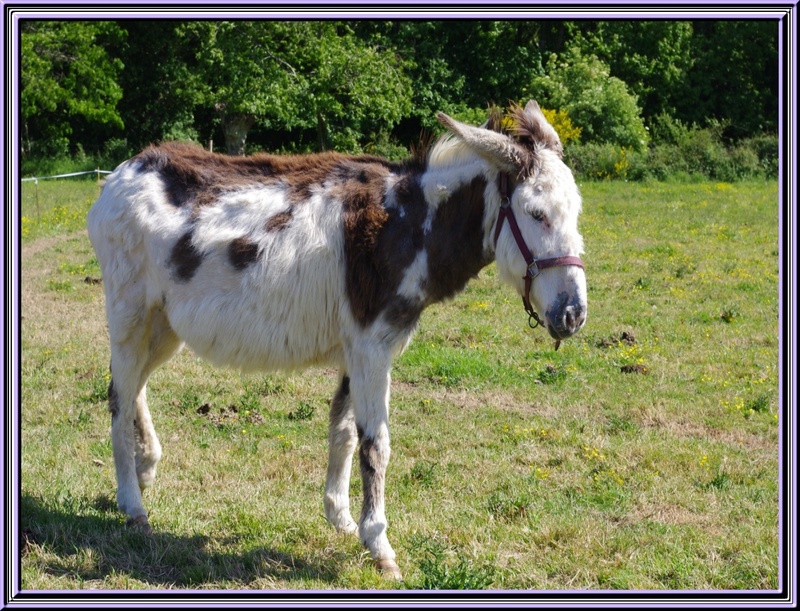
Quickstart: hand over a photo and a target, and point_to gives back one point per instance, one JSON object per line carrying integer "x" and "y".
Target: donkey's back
{"x": 242, "y": 259}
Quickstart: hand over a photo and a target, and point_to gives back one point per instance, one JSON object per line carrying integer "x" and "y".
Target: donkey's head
{"x": 534, "y": 215}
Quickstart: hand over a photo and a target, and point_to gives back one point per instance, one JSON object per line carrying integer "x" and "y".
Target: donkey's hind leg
{"x": 134, "y": 355}
{"x": 163, "y": 345}
{"x": 342, "y": 439}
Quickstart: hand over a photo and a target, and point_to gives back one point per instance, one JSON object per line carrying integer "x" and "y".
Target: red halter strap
{"x": 534, "y": 265}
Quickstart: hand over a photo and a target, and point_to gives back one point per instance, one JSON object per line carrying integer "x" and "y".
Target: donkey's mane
{"x": 449, "y": 150}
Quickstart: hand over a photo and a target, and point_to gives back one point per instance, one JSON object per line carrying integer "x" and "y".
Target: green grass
{"x": 640, "y": 455}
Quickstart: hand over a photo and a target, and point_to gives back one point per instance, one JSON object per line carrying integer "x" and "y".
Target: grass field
{"x": 641, "y": 455}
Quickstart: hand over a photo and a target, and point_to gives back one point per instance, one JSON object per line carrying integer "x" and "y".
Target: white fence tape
{"x": 38, "y": 178}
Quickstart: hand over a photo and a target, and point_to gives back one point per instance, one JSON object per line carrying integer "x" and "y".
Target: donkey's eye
{"x": 538, "y": 215}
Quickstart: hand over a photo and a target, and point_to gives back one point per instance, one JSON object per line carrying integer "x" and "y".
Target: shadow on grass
{"x": 93, "y": 542}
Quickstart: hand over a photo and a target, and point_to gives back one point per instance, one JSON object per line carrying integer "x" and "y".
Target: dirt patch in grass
{"x": 672, "y": 515}
{"x": 229, "y": 415}
{"x": 31, "y": 249}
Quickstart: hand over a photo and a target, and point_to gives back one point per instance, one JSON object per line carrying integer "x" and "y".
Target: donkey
{"x": 285, "y": 262}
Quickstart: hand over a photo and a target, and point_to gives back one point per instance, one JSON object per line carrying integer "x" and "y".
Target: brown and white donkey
{"x": 285, "y": 262}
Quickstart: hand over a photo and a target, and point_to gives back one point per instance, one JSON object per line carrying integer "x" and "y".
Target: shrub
{"x": 679, "y": 153}
{"x": 765, "y": 147}
{"x": 600, "y": 104}
{"x": 599, "y": 161}
{"x": 115, "y": 152}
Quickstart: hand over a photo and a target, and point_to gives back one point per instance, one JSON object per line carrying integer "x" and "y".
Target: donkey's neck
{"x": 455, "y": 244}
{"x": 420, "y": 245}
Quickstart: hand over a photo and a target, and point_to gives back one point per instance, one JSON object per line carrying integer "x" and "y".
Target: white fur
{"x": 414, "y": 279}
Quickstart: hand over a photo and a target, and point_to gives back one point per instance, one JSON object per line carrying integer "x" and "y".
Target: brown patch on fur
{"x": 195, "y": 177}
{"x": 113, "y": 400}
{"x": 455, "y": 243}
{"x": 368, "y": 458}
{"x": 242, "y": 252}
{"x": 185, "y": 258}
{"x": 361, "y": 192}
{"x": 280, "y": 221}
{"x": 339, "y": 404}
{"x": 380, "y": 244}
{"x": 373, "y": 473}
{"x": 419, "y": 151}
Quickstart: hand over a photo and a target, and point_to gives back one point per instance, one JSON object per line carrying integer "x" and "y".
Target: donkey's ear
{"x": 499, "y": 149}
{"x": 532, "y": 107}
{"x": 532, "y": 129}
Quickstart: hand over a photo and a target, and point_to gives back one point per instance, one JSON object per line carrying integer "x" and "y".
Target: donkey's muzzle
{"x": 566, "y": 318}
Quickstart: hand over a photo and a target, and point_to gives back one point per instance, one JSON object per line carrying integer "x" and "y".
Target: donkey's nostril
{"x": 570, "y": 317}
{"x": 574, "y": 317}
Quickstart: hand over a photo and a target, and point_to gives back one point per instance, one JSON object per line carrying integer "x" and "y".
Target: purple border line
{"x": 721, "y": 10}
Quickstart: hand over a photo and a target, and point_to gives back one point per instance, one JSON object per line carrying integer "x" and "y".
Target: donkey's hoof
{"x": 347, "y": 527}
{"x": 141, "y": 524}
{"x": 389, "y": 568}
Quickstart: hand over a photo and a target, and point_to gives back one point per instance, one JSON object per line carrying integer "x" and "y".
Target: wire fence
{"x": 35, "y": 180}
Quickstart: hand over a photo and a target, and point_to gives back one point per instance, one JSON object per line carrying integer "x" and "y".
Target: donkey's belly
{"x": 254, "y": 341}
{"x": 257, "y": 329}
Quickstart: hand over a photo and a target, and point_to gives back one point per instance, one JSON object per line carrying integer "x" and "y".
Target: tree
{"x": 69, "y": 84}
{"x": 600, "y": 104}
{"x": 160, "y": 94}
{"x": 734, "y": 77}
{"x": 285, "y": 74}
{"x": 653, "y": 58}
{"x": 238, "y": 72}
{"x": 352, "y": 87}
{"x": 457, "y": 65}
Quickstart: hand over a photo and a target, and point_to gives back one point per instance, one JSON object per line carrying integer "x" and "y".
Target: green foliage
{"x": 424, "y": 474}
{"x": 734, "y": 76}
{"x": 69, "y": 83}
{"x": 94, "y": 92}
{"x": 601, "y": 161}
{"x": 599, "y": 104}
{"x": 678, "y": 152}
{"x": 653, "y": 58}
{"x": 304, "y": 411}
{"x": 551, "y": 374}
{"x": 311, "y": 74}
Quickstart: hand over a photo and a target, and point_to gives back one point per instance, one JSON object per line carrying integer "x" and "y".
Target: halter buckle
{"x": 533, "y": 269}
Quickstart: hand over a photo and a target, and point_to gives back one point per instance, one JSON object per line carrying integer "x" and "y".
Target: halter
{"x": 534, "y": 265}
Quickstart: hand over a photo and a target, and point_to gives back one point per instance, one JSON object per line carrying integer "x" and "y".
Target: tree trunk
{"x": 322, "y": 133}
{"x": 235, "y": 128}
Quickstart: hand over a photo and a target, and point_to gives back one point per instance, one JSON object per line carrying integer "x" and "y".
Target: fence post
{"x": 36, "y": 188}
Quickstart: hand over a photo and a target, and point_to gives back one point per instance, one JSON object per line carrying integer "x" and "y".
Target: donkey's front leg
{"x": 370, "y": 395}
{"x": 342, "y": 443}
